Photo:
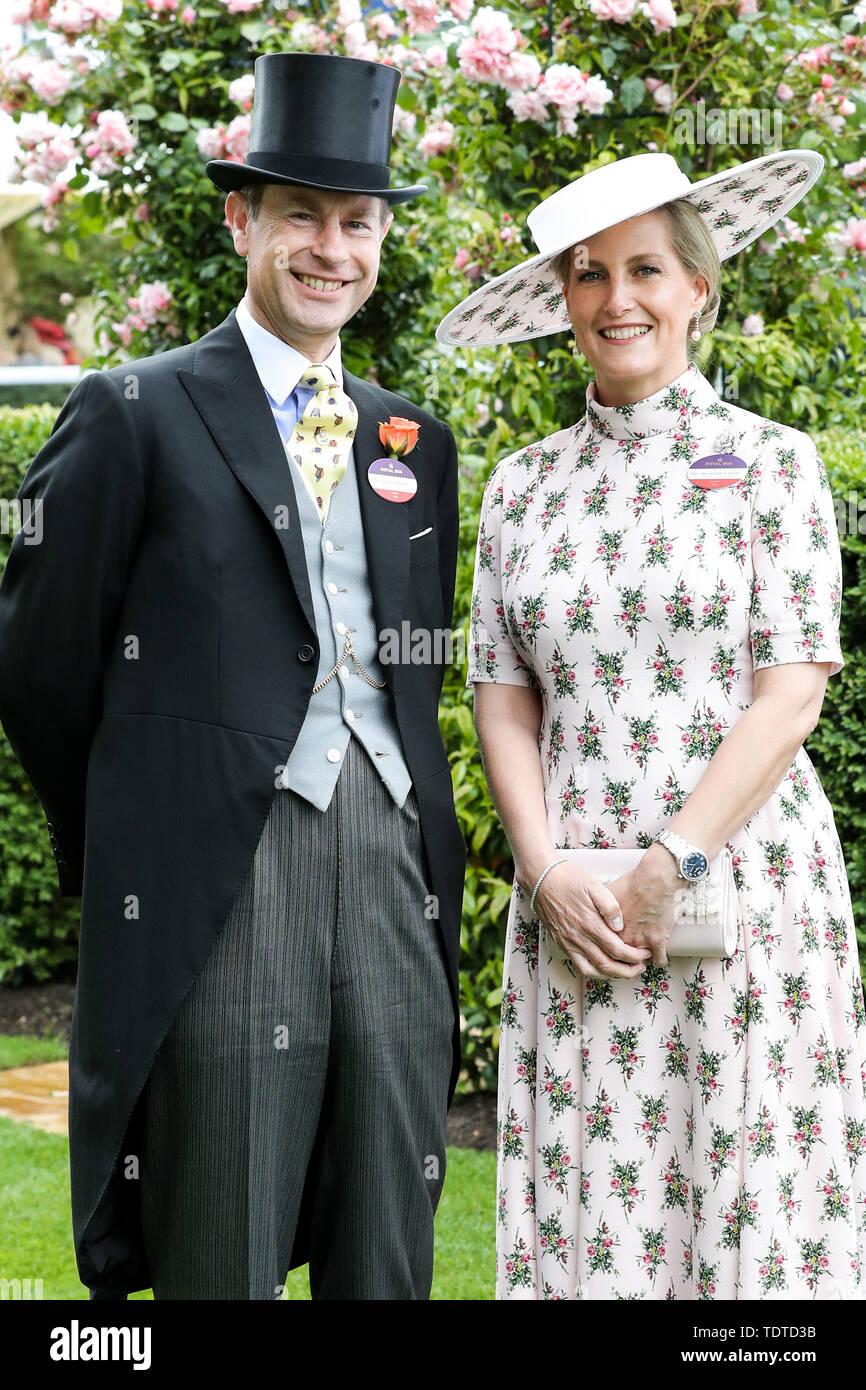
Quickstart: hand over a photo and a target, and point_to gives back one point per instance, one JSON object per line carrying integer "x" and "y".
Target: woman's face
{"x": 630, "y": 275}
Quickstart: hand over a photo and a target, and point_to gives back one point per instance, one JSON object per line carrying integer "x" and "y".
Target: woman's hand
{"x": 647, "y": 900}
{"x": 584, "y": 919}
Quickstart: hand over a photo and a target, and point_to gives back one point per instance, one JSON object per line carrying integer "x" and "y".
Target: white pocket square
{"x": 420, "y": 533}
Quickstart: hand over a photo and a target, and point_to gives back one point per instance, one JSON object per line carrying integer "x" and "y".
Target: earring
{"x": 575, "y": 351}
{"x": 695, "y": 334}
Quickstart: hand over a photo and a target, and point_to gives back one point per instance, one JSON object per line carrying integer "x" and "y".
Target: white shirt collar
{"x": 279, "y": 365}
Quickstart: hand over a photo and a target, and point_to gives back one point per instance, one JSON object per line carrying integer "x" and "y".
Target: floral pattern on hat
{"x": 527, "y": 301}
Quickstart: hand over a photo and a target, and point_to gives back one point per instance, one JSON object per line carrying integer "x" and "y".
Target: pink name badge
{"x": 392, "y": 480}
{"x": 717, "y": 470}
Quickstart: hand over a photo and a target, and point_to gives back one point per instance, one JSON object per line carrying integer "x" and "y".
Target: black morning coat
{"x": 157, "y": 654}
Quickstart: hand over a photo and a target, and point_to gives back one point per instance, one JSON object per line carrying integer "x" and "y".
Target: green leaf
{"x": 631, "y": 93}
{"x": 254, "y": 29}
{"x": 737, "y": 32}
{"x": 173, "y": 120}
{"x": 170, "y": 60}
{"x": 143, "y": 111}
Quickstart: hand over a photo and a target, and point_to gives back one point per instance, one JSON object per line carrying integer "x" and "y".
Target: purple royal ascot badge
{"x": 717, "y": 470}
{"x": 392, "y": 479}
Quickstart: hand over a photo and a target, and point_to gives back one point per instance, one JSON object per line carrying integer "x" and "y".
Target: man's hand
{"x": 584, "y": 918}
{"x": 647, "y": 899}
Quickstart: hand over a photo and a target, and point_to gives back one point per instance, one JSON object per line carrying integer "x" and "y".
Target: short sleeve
{"x": 492, "y": 655}
{"x": 796, "y": 596}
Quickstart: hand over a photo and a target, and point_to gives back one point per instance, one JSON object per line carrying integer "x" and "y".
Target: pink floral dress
{"x": 698, "y": 1132}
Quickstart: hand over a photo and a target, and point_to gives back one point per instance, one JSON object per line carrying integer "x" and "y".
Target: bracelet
{"x": 551, "y": 865}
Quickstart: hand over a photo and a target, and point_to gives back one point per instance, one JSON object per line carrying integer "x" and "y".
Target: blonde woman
{"x": 653, "y": 633}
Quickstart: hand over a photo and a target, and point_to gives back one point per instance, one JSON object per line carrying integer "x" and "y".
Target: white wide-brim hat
{"x": 737, "y": 206}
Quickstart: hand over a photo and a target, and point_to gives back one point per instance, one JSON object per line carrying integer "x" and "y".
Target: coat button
{"x": 305, "y": 653}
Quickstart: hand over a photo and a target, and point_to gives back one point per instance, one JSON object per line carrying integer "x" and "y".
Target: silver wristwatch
{"x": 692, "y": 864}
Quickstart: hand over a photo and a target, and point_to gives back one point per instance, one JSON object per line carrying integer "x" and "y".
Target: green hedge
{"x": 38, "y": 929}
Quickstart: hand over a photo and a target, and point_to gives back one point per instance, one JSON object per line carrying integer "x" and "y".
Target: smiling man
{"x": 265, "y": 1035}
{"x": 312, "y": 259}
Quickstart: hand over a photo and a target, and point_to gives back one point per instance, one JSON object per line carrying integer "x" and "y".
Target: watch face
{"x": 695, "y": 866}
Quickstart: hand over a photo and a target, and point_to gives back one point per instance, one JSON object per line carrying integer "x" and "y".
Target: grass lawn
{"x": 36, "y": 1227}
{"x": 26, "y": 1052}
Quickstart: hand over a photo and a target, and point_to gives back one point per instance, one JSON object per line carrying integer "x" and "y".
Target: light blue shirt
{"x": 280, "y": 368}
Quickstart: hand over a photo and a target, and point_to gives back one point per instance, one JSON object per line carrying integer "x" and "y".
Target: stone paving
{"x": 36, "y": 1095}
{"x": 39, "y": 1094}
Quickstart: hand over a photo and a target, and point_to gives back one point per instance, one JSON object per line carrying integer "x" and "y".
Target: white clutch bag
{"x": 707, "y": 916}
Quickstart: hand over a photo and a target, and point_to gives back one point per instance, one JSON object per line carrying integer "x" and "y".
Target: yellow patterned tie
{"x": 321, "y": 440}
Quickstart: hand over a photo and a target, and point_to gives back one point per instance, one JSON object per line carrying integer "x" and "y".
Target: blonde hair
{"x": 696, "y": 252}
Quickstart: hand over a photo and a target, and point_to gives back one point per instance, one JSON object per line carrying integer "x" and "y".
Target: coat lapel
{"x": 386, "y": 524}
{"x": 225, "y": 389}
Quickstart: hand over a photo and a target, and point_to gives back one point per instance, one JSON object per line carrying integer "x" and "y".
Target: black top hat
{"x": 322, "y": 121}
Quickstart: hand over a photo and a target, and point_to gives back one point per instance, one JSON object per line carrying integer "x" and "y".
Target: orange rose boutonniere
{"x": 399, "y": 436}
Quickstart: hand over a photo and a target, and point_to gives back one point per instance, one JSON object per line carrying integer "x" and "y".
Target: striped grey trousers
{"x": 311, "y": 1058}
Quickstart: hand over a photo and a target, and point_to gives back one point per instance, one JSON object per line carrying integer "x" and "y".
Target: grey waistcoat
{"x": 348, "y": 704}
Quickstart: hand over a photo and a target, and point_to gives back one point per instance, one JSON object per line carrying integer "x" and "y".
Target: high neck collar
{"x": 681, "y": 403}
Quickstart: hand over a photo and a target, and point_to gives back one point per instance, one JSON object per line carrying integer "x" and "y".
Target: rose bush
{"x": 498, "y": 106}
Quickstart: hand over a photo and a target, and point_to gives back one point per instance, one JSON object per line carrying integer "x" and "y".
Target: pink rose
{"x": 564, "y": 86}
{"x": 437, "y": 138}
{"x": 618, "y": 10}
{"x": 485, "y": 56}
{"x": 522, "y": 73}
{"x": 422, "y": 16}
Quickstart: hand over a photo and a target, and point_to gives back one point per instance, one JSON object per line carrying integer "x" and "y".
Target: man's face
{"x": 312, "y": 260}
